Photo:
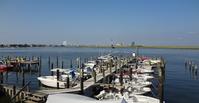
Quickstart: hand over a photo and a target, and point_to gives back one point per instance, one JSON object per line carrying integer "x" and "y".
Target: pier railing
{"x": 26, "y": 87}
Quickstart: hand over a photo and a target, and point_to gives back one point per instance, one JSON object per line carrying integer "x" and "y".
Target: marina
{"x": 99, "y": 51}
{"x": 103, "y": 72}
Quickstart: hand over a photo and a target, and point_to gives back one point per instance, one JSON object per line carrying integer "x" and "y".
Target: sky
{"x": 145, "y": 22}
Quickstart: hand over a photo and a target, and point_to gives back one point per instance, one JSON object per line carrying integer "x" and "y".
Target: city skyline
{"x": 154, "y": 22}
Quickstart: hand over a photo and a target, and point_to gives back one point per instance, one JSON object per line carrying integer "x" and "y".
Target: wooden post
{"x": 71, "y": 63}
{"x": 116, "y": 65}
{"x": 29, "y": 69}
{"x": 94, "y": 75}
{"x": 57, "y": 62}
{"x": 49, "y": 61}
{"x": 23, "y": 78}
{"x": 62, "y": 64}
{"x": 68, "y": 82}
{"x": 121, "y": 76}
{"x": 52, "y": 68}
{"x": 14, "y": 92}
{"x": 57, "y": 79}
{"x": 40, "y": 64}
{"x": 130, "y": 73}
{"x": 82, "y": 80}
{"x": 1, "y": 74}
{"x": 103, "y": 73}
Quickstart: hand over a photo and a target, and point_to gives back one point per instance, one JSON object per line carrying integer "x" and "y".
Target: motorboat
{"x": 140, "y": 83}
{"x": 52, "y": 81}
{"x": 4, "y": 67}
{"x": 151, "y": 61}
{"x": 148, "y": 67}
{"x": 105, "y": 58}
{"x": 142, "y": 76}
{"x": 137, "y": 90}
{"x": 90, "y": 64}
{"x": 143, "y": 70}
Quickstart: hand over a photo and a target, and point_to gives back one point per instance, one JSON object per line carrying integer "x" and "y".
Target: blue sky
{"x": 149, "y": 22}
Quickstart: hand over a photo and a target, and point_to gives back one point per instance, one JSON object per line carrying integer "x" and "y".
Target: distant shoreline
{"x": 150, "y": 47}
{"x": 96, "y": 46}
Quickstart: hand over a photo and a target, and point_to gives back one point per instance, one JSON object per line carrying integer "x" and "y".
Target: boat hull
{"x": 51, "y": 81}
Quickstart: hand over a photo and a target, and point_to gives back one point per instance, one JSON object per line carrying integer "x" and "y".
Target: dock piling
{"x": 103, "y": 73}
{"x": 82, "y": 79}
{"x": 57, "y": 62}
{"x": 52, "y": 68}
{"x": 94, "y": 75}
{"x": 23, "y": 78}
{"x": 71, "y": 63}
{"x": 57, "y": 79}
{"x": 1, "y": 74}
{"x": 68, "y": 82}
{"x": 62, "y": 64}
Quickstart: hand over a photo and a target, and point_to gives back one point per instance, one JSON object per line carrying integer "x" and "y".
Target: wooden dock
{"x": 87, "y": 83}
{"x": 22, "y": 94}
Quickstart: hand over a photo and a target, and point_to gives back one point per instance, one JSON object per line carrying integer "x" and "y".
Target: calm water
{"x": 181, "y": 86}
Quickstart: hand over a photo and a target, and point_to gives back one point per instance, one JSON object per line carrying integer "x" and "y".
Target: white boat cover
{"x": 74, "y": 98}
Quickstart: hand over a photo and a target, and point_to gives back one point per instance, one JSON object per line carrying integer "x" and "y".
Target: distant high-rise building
{"x": 133, "y": 44}
{"x": 64, "y": 43}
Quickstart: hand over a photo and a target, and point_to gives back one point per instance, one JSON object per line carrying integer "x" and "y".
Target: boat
{"x": 137, "y": 90}
{"x": 4, "y": 67}
{"x": 148, "y": 67}
{"x": 140, "y": 83}
{"x": 105, "y": 58}
{"x": 151, "y": 61}
{"x": 143, "y": 70}
{"x": 51, "y": 81}
{"x": 75, "y": 98}
{"x": 142, "y": 76}
{"x": 90, "y": 64}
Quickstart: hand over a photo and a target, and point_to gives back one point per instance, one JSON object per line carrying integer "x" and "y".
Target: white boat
{"x": 143, "y": 70}
{"x": 137, "y": 90}
{"x": 142, "y": 76}
{"x": 105, "y": 58}
{"x": 140, "y": 83}
{"x": 74, "y": 98}
{"x": 90, "y": 64}
{"x": 149, "y": 67}
{"x": 51, "y": 81}
{"x": 151, "y": 61}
